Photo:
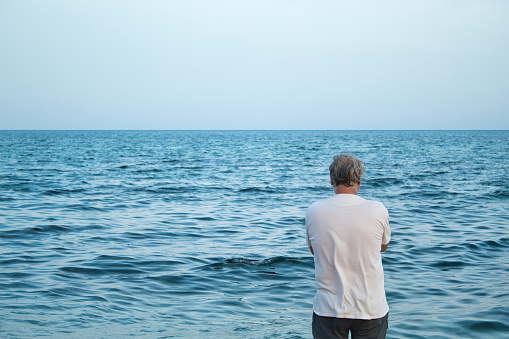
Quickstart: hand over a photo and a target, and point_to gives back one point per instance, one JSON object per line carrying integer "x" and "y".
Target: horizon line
{"x": 238, "y": 130}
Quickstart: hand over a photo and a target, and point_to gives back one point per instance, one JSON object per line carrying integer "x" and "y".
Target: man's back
{"x": 346, "y": 233}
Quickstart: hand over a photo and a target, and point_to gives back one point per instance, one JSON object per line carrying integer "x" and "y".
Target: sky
{"x": 254, "y": 64}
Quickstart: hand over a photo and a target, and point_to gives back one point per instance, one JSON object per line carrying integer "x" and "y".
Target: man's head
{"x": 346, "y": 170}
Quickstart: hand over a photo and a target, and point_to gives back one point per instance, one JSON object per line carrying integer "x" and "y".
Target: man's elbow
{"x": 384, "y": 247}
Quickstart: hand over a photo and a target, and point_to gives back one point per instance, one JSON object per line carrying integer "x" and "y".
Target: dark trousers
{"x": 338, "y": 328}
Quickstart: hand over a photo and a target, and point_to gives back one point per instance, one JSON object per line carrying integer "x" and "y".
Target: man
{"x": 346, "y": 234}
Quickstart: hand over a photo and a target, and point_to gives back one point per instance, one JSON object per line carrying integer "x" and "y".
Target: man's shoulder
{"x": 374, "y": 202}
{"x": 315, "y": 205}
{"x": 375, "y": 205}
{"x": 319, "y": 204}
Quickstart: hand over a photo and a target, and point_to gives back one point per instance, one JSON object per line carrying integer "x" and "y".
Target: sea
{"x": 201, "y": 234}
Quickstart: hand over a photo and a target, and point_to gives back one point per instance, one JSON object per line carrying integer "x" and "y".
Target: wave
{"x": 274, "y": 261}
{"x": 28, "y": 232}
{"x": 258, "y": 190}
{"x": 63, "y": 191}
{"x": 499, "y": 193}
{"x": 483, "y": 326}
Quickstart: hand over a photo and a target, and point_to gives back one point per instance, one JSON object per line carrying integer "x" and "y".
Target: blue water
{"x": 200, "y": 234}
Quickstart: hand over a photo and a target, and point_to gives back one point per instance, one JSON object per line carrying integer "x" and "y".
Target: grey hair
{"x": 346, "y": 170}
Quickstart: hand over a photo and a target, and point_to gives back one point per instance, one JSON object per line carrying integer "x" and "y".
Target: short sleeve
{"x": 308, "y": 241}
{"x": 386, "y": 237}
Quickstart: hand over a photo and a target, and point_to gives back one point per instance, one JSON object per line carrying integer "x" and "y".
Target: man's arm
{"x": 386, "y": 236}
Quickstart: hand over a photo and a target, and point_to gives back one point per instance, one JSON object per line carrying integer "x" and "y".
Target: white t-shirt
{"x": 347, "y": 233}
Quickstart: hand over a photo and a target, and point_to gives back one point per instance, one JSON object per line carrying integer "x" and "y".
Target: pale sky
{"x": 257, "y": 64}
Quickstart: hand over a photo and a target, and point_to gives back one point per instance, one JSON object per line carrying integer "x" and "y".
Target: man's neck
{"x": 346, "y": 190}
